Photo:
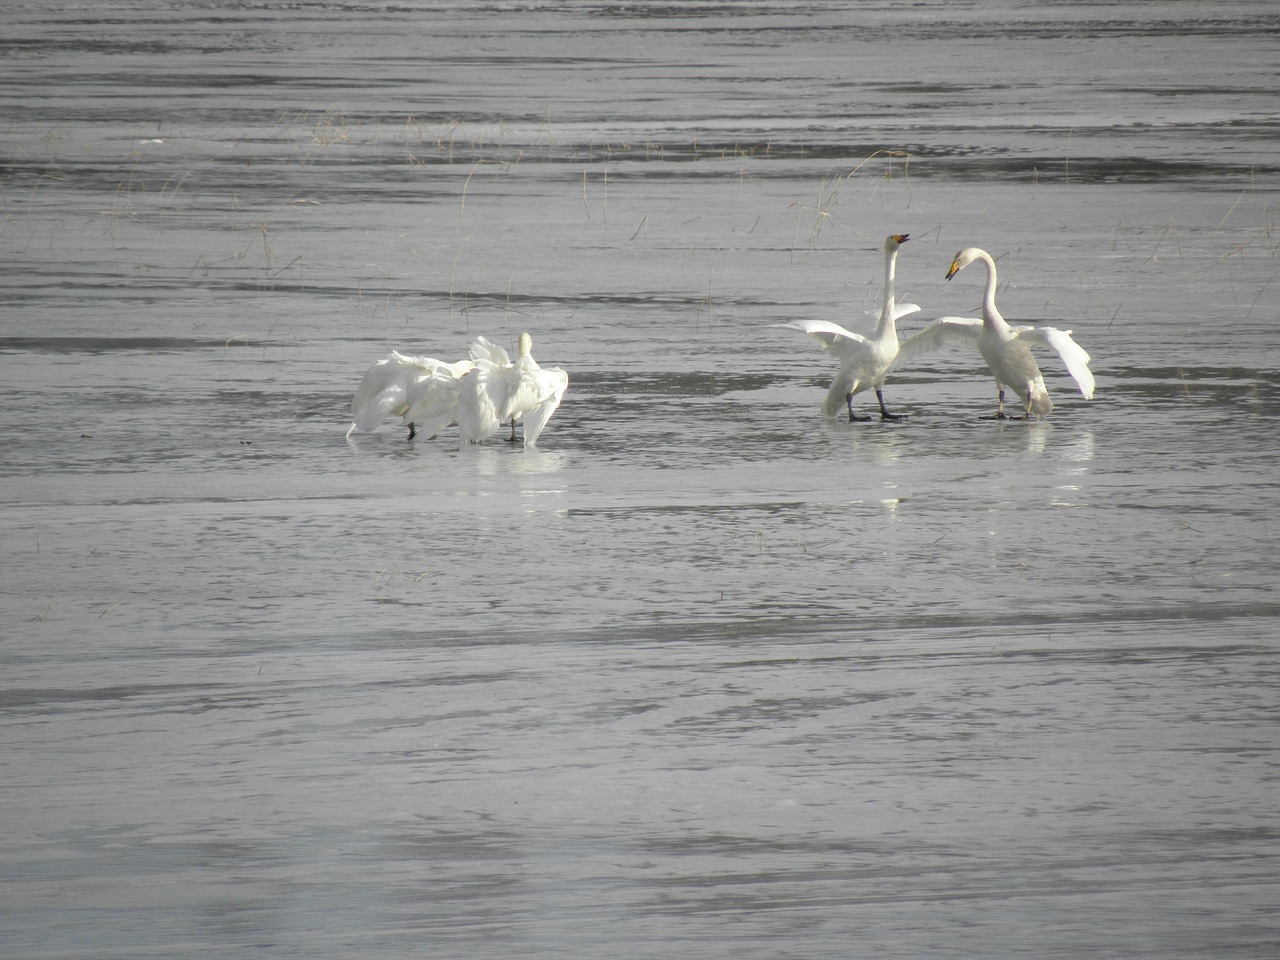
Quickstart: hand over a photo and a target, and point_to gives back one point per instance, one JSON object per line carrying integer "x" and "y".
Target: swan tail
{"x": 1040, "y": 405}
{"x": 842, "y": 387}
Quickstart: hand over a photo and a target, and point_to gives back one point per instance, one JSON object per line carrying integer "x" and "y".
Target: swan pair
{"x": 866, "y": 362}
{"x": 480, "y": 394}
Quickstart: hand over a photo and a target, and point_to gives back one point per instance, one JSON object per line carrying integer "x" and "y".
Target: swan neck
{"x": 989, "y": 294}
{"x": 887, "y": 324}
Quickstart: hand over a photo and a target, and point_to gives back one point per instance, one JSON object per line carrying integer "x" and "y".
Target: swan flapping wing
{"x": 498, "y": 390}
{"x": 488, "y": 355}
{"x": 1073, "y": 355}
{"x": 433, "y": 397}
{"x": 406, "y": 362}
{"x": 553, "y": 383}
{"x": 937, "y": 335}
{"x": 415, "y": 388}
{"x": 384, "y": 389}
{"x": 531, "y": 394}
{"x": 477, "y": 415}
{"x": 834, "y": 338}
{"x": 381, "y": 390}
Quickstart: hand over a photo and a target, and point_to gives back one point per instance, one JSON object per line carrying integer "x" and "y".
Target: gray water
{"x": 706, "y": 675}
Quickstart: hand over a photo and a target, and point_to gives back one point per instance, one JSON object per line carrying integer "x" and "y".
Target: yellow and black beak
{"x": 955, "y": 266}
{"x": 901, "y": 238}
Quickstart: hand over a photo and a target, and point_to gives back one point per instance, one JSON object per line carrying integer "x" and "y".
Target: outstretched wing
{"x": 937, "y": 335}
{"x": 416, "y": 364}
{"x": 554, "y": 382}
{"x": 488, "y": 354}
{"x": 1073, "y": 355}
{"x": 905, "y": 310}
{"x": 382, "y": 391}
{"x": 386, "y": 388}
{"x": 477, "y": 417}
{"x": 432, "y": 398}
{"x": 834, "y": 338}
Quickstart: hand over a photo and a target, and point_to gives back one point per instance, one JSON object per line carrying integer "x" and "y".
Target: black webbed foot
{"x": 884, "y": 411}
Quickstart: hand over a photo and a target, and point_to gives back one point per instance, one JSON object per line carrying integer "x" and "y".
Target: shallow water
{"x": 706, "y": 675}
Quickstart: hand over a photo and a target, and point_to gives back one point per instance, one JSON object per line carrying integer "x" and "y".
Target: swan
{"x": 422, "y": 391}
{"x": 1006, "y": 349}
{"x": 864, "y": 361}
{"x": 498, "y": 390}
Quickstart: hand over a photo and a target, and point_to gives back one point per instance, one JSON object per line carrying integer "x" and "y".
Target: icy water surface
{"x": 706, "y": 675}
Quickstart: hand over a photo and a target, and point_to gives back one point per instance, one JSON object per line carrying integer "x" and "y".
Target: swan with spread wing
{"x": 422, "y": 391}
{"x": 498, "y": 390}
{"x": 865, "y": 362}
{"x": 1007, "y": 350}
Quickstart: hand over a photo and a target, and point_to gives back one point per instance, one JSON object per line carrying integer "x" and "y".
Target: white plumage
{"x": 498, "y": 390}
{"x": 1006, "y": 349}
{"x": 422, "y": 391}
{"x": 865, "y": 362}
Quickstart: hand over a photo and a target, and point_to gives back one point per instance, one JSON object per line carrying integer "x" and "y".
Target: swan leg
{"x": 413, "y": 431}
{"x": 512, "y": 438}
{"x": 853, "y": 417}
{"x": 999, "y": 414}
{"x": 885, "y": 414}
{"x": 1026, "y": 410}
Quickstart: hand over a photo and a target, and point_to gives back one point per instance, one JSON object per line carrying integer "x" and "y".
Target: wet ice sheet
{"x": 706, "y": 675}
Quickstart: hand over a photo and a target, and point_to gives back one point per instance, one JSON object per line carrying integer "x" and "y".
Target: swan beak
{"x": 955, "y": 265}
{"x": 901, "y": 238}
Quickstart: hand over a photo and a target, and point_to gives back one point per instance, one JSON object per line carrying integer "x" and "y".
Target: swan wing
{"x": 527, "y": 387}
{"x": 486, "y": 353}
{"x": 554, "y": 383}
{"x": 456, "y": 370}
{"x": 382, "y": 375}
{"x": 905, "y": 310}
{"x": 483, "y": 391}
{"x": 515, "y": 395}
{"x": 416, "y": 364}
{"x": 433, "y": 399}
{"x": 499, "y": 387}
{"x": 382, "y": 392}
{"x": 368, "y": 416}
{"x": 939, "y": 334}
{"x": 834, "y": 338}
{"x": 477, "y": 418}
{"x": 1072, "y": 354}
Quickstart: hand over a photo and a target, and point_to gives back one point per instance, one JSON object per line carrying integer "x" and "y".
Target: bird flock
{"x": 866, "y": 362}
{"x": 488, "y": 390}
{"x": 479, "y": 394}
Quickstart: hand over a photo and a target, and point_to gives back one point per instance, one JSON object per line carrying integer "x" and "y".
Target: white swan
{"x": 422, "y": 391}
{"x": 1006, "y": 349}
{"x": 498, "y": 390}
{"x": 864, "y": 361}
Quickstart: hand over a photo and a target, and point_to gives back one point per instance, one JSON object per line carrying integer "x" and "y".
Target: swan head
{"x": 895, "y": 240}
{"x": 526, "y": 344}
{"x": 964, "y": 258}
